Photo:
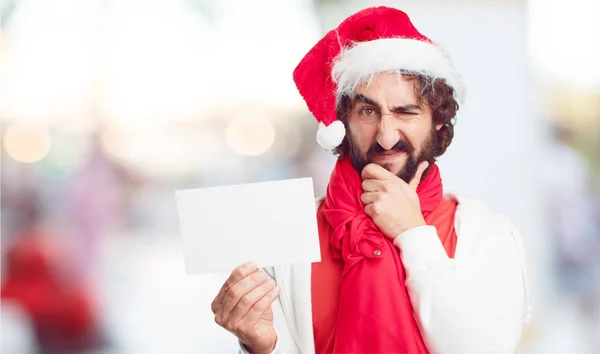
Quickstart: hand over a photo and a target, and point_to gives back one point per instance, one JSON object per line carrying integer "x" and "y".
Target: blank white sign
{"x": 270, "y": 223}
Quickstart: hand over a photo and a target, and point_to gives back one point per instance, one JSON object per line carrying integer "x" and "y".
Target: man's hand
{"x": 243, "y": 307}
{"x": 392, "y": 203}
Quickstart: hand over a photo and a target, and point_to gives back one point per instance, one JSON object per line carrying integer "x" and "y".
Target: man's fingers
{"x": 373, "y": 185}
{"x": 215, "y": 305}
{"x": 371, "y": 210}
{"x": 414, "y": 183}
{"x": 369, "y": 197}
{"x": 238, "y": 274}
{"x": 249, "y": 300}
{"x": 256, "y": 311}
{"x": 239, "y": 290}
{"x": 374, "y": 171}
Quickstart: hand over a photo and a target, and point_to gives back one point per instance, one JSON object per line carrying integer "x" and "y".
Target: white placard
{"x": 270, "y": 223}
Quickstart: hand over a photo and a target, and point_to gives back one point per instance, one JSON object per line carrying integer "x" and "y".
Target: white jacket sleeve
{"x": 474, "y": 303}
{"x": 285, "y": 343}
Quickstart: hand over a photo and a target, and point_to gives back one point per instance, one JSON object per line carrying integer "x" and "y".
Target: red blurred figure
{"x": 59, "y": 304}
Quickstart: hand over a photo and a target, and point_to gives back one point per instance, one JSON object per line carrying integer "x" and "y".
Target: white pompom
{"x": 329, "y": 137}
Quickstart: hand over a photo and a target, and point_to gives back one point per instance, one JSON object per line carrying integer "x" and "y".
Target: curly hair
{"x": 432, "y": 92}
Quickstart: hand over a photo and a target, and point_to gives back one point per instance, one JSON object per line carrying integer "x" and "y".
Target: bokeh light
{"x": 27, "y": 142}
{"x": 153, "y": 151}
{"x": 250, "y": 135}
{"x": 118, "y": 144}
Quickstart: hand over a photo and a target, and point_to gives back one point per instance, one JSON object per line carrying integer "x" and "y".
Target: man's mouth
{"x": 389, "y": 156}
{"x": 391, "y": 153}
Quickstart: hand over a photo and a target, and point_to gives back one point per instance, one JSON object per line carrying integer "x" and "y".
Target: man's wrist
{"x": 251, "y": 350}
{"x": 415, "y": 225}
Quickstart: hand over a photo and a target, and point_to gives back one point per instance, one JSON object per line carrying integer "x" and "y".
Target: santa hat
{"x": 374, "y": 40}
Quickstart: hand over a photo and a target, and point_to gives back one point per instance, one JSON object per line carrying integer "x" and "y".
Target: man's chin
{"x": 399, "y": 169}
{"x": 393, "y": 165}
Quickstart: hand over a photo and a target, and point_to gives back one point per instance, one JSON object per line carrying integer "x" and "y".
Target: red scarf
{"x": 374, "y": 313}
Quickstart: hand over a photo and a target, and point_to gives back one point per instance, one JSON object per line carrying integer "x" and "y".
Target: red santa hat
{"x": 374, "y": 40}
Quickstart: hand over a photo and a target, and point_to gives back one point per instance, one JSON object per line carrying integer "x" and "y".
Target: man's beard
{"x": 408, "y": 171}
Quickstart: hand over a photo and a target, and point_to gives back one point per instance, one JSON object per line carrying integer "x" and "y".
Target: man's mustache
{"x": 400, "y": 146}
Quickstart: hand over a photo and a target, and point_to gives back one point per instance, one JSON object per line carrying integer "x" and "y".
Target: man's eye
{"x": 367, "y": 112}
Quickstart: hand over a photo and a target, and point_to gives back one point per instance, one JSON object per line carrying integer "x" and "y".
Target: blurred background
{"x": 108, "y": 107}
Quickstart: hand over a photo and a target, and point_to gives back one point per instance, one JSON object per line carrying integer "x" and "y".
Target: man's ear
{"x": 438, "y": 126}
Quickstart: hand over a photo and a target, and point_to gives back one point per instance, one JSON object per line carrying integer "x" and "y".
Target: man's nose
{"x": 387, "y": 134}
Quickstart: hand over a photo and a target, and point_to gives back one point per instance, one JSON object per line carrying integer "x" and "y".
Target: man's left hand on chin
{"x": 392, "y": 203}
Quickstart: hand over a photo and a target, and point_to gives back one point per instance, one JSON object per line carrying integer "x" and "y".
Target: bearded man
{"x": 405, "y": 268}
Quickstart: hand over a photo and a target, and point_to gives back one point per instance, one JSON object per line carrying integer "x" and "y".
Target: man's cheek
{"x": 363, "y": 148}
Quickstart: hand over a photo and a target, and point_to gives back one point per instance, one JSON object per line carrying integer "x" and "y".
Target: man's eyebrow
{"x": 406, "y": 108}
{"x": 398, "y": 109}
{"x": 365, "y": 99}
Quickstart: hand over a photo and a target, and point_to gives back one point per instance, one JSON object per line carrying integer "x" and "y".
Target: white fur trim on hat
{"x": 367, "y": 58}
{"x": 331, "y": 136}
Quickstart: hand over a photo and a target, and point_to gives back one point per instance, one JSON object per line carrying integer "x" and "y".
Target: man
{"x": 404, "y": 268}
